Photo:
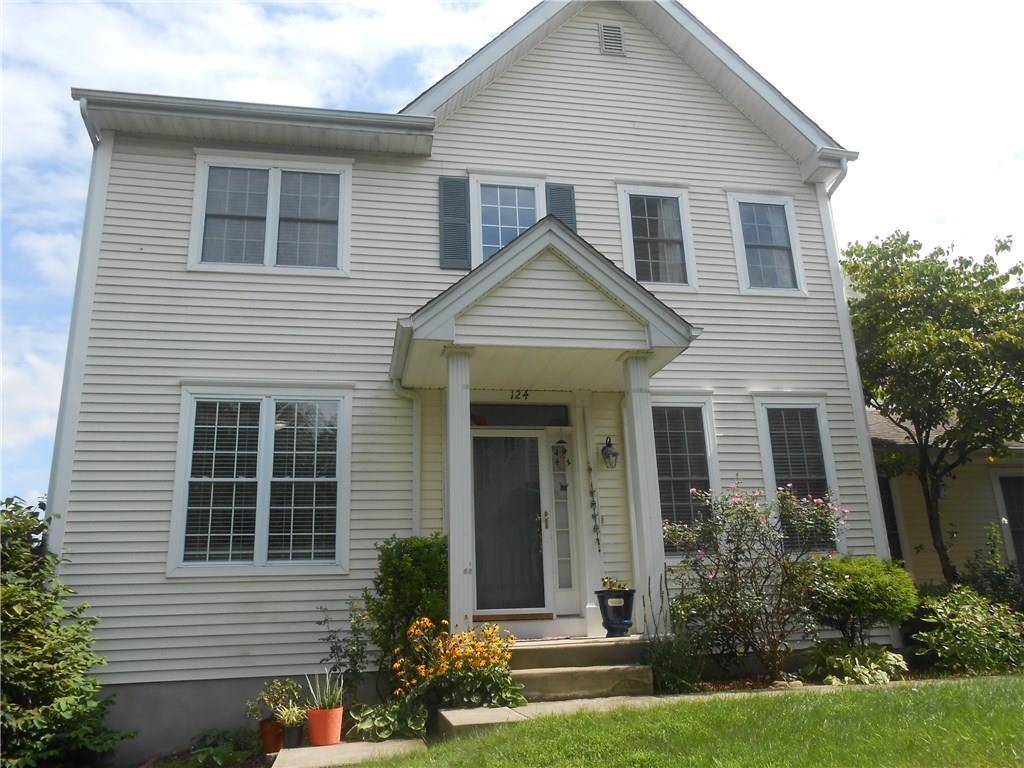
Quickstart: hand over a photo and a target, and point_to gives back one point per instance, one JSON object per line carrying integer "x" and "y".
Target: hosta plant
{"x": 396, "y": 717}
{"x": 835, "y": 662}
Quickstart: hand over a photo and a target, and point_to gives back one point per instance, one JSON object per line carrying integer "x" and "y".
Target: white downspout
{"x": 839, "y": 179}
{"x": 417, "y": 467}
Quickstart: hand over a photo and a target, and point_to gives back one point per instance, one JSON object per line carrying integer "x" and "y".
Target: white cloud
{"x": 54, "y": 255}
{"x": 32, "y": 370}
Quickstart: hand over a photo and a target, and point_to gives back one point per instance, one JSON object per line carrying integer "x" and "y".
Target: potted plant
{"x": 275, "y": 693}
{"x": 616, "y": 601}
{"x": 292, "y": 716}
{"x": 325, "y": 712}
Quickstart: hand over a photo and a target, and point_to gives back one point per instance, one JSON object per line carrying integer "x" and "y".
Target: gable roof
{"x": 820, "y": 156}
{"x": 436, "y": 320}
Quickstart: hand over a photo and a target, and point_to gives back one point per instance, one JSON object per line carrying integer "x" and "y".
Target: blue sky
{"x": 928, "y": 93}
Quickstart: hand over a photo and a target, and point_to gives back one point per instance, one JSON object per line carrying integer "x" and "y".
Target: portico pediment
{"x": 548, "y": 305}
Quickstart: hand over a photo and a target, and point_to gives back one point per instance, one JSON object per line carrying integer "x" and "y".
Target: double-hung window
{"x": 684, "y": 456}
{"x": 257, "y": 212}
{"x": 764, "y": 235}
{"x": 656, "y": 235}
{"x": 795, "y": 451}
{"x": 501, "y": 209}
{"x": 264, "y": 479}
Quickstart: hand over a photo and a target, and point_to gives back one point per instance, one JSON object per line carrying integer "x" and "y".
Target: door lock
{"x": 545, "y": 519}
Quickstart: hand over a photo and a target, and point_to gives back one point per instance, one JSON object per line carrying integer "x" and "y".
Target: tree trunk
{"x": 931, "y": 505}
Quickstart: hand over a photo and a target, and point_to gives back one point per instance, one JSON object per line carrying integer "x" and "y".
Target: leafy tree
{"x": 51, "y": 713}
{"x": 940, "y": 343}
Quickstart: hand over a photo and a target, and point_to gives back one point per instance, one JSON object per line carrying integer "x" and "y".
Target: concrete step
{"x": 578, "y": 652}
{"x": 592, "y": 682}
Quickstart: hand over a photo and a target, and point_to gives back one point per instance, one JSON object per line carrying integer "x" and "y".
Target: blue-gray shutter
{"x": 562, "y": 203}
{"x": 453, "y": 208}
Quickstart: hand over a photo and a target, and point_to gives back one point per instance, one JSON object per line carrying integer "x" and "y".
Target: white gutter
{"x": 215, "y": 108}
{"x": 417, "y": 469}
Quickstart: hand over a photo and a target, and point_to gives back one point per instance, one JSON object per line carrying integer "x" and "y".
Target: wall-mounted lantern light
{"x": 609, "y": 453}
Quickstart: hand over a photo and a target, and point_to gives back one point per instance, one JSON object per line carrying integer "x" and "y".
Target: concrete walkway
{"x": 346, "y": 753}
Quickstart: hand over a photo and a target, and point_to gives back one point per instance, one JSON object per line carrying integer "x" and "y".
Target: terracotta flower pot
{"x": 271, "y": 735}
{"x": 325, "y": 726}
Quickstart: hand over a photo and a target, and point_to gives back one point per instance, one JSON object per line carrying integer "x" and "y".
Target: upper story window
{"x": 254, "y": 212}
{"x": 263, "y": 481}
{"x": 505, "y": 213}
{"x": 656, "y": 238}
{"x": 764, "y": 235}
{"x": 501, "y": 209}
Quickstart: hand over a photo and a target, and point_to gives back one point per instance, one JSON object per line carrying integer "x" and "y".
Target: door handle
{"x": 545, "y": 519}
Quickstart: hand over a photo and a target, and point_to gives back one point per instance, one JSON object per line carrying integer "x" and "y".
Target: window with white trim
{"x": 766, "y": 243}
{"x": 681, "y": 448}
{"x": 656, "y": 236}
{"x": 501, "y": 209}
{"x": 797, "y": 454}
{"x": 264, "y": 482}
{"x": 255, "y": 212}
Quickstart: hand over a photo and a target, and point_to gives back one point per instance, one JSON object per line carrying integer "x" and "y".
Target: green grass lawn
{"x": 977, "y": 722}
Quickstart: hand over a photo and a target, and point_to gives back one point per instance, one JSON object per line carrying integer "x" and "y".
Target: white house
{"x": 300, "y": 331}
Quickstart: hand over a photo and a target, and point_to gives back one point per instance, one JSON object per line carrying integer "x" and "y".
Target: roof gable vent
{"x": 611, "y": 39}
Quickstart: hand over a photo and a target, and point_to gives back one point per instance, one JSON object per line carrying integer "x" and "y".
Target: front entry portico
{"x": 546, "y": 321}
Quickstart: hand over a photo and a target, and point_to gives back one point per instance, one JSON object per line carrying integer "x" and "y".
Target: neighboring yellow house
{"x": 983, "y": 492}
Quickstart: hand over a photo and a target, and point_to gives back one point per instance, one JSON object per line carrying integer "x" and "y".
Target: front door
{"x": 510, "y": 502}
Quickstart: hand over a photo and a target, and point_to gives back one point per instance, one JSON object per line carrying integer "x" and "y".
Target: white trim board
{"x": 59, "y": 493}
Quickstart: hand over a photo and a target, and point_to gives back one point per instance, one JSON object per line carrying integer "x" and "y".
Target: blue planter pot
{"x": 616, "y": 610}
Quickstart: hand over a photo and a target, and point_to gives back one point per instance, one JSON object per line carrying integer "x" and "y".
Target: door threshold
{"x": 513, "y": 617}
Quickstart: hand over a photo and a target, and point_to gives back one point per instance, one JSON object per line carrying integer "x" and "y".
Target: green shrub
{"x": 853, "y": 594}
{"x": 51, "y": 713}
{"x": 218, "y": 748}
{"x": 971, "y": 634}
{"x": 411, "y": 583}
{"x": 741, "y": 566}
{"x": 837, "y": 663}
{"x": 988, "y": 574}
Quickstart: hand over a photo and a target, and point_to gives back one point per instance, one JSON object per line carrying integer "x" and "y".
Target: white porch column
{"x": 642, "y": 466}
{"x": 458, "y": 491}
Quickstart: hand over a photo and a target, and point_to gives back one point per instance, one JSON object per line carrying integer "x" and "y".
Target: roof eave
{"x": 107, "y": 109}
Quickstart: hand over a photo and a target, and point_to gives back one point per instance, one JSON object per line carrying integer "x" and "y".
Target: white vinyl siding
{"x": 564, "y": 112}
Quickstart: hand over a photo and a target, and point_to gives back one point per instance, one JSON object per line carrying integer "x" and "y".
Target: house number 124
{"x": 519, "y": 394}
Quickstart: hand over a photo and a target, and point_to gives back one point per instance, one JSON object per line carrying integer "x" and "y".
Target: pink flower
{"x": 693, "y": 491}
{"x": 700, "y": 552}
{"x": 789, "y": 485}
{"x": 732, "y": 485}
{"x": 818, "y": 501}
{"x": 711, "y": 577}
{"x": 736, "y": 499}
